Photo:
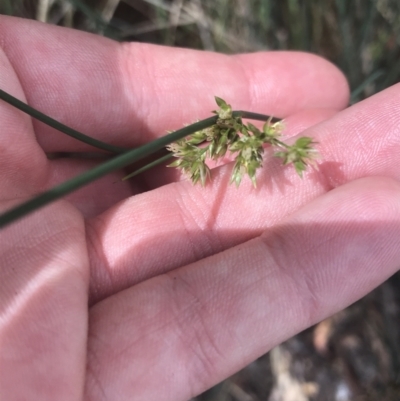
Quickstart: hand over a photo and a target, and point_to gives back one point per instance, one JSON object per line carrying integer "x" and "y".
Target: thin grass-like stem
{"x": 149, "y": 166}
{"x": 59, "y": 126}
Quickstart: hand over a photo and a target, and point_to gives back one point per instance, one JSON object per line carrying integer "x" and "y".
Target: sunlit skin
{"x": 155, "y": 289}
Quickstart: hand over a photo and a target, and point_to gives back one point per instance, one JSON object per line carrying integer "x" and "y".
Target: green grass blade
{"x": 57, "y": 125}
{"x": 372, "y": 78}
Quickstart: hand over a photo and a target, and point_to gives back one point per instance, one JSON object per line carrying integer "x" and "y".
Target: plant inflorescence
{"x": 245, "y": 141}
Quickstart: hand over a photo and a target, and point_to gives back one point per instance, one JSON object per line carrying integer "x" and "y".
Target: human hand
{"x": 186, "y": 284}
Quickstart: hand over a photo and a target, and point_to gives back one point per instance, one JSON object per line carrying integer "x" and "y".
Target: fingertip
{"x": 364, "y": 199}
{"x": 294, "y": 81}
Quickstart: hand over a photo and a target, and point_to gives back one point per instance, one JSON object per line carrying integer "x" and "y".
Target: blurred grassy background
{"x": 354, "y": 355}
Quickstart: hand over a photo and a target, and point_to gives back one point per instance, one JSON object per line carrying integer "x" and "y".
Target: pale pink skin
{"x": 186, "y": 284}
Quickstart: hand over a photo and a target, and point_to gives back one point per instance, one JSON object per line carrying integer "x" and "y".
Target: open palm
{"x": 154, "y": 289}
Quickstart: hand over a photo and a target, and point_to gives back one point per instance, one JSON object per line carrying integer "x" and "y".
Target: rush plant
{"x": 192, "y": 146}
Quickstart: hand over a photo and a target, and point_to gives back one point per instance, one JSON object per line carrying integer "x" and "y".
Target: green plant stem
{"x": 116, "y": 163}
{"x": 282, "y": 144}
{"x": 254, "y": 116}
{"x": 149, "y": 166}
{"x": 59, "y": 126}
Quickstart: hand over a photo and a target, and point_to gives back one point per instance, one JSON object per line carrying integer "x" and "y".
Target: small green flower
{"x": 225, "y": 110}
{"x": 301, "y": 154}
{"x": 273, "y": 131}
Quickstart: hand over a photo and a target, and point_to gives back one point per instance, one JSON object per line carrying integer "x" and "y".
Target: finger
{"x": 133, "y": 240}
{"x": 22, "y": 162}
{"x": 128, "y": 94}
{"x": 197, "y": 325}
{"x": 43, "y": 306}
{"x": 360, "y": 141}
{"x": 196, "y": 222}
{"x": 96, "y": 197}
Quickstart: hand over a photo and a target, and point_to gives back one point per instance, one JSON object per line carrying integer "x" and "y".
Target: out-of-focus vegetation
{"x": 361, "y": 36}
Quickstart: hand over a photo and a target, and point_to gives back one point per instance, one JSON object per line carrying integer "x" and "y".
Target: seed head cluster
{"x": 245, "y": 141}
